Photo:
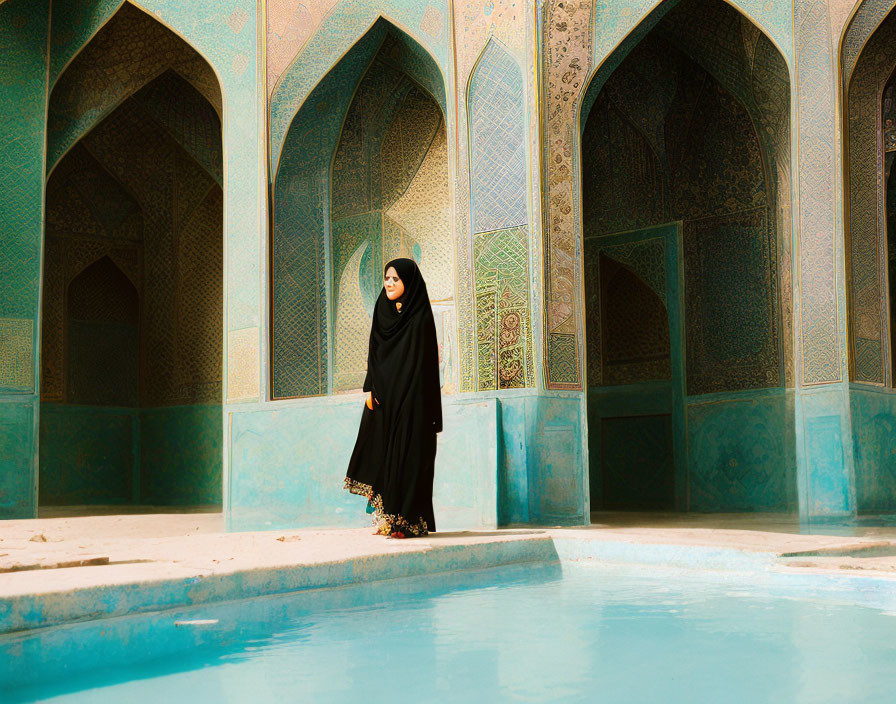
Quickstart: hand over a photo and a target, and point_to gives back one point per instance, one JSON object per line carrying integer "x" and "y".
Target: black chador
{"x": 392, "y": 463}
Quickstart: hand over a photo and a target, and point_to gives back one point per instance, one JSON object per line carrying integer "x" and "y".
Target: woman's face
{"x": 394, "y": 285}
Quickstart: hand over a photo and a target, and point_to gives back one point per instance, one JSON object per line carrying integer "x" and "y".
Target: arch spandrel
{"x": 74, "y": 24}
{"x": 347, "y": 23}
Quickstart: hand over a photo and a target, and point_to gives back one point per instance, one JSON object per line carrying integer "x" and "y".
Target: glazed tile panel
{"x": 819, "y": 324}
{"x": 499, "y": 220}
{"x": 868, "y": 61}
{"x": 23, "y": 47}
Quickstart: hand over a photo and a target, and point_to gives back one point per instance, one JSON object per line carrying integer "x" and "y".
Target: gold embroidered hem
{"x": 391, "y": 521}
{"x": 399, "y": 523}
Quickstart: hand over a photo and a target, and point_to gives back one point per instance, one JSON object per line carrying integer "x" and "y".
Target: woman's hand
{"x": 370, "y": 400}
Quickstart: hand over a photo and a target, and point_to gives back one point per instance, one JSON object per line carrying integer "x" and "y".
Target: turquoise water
{"x": 536, "y": 633}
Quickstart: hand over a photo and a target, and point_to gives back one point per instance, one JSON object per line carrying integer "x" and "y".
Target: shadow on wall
{"x": 131, "y": 353}
{"x": 687, "y": 126}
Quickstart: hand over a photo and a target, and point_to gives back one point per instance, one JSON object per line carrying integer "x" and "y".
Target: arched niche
{"x": 685, "y": 170}
{"x": 867, "y": 64}
{"x": 578, "y": 49}
{"x": 868, "y": 92}
{"x": 294, "y": 75}
{"x": 137, "y": 197}
{"x": 102, "y": 337}
{"x": 362, "y": 178}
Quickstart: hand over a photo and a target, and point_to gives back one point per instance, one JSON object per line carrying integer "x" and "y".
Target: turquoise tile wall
{"x": 279, "y": 479}
{"x": 23, "y": 46}
{"x": 873, "y": 420}
{"x": 88, "y": 455}
{"x": 170, "y": 456}
{"x": 823, "y": 446}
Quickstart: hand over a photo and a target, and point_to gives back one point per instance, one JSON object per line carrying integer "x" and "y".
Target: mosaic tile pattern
{"x": 819, "y": 325}
{"x": 127, "y": 53}
{"x": 388, "y": 187}
{"x": 731, "y": 48}
{"x": 89, "y": 215}
{"x": 498, "y": 201}
{"x": 301, "y": 194}
{"x": 868, "y": 17}
{"x": 289, "y": 25}
{"x": 498, "y": 150}
{"x": 334, "y": 37}
{"x": 16, "y": 357}
{"x": 665, "y": 140}
{"x": 74, "y": 24}
{"x": 423, "y": 209}
{"x": 476, "y": 24}
{"x": 131, "y": 192}
{"x": 23, "y": 32}
{"x": 388, "y": 134}
{"x": 730, "y": 303}
{"x": 189, "y": 117}
{"x": 866, "y": 224}
{"x": 503, "y": 332}
{"x": 569, "y": 36}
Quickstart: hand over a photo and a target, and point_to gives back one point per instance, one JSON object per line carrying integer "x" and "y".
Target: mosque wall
{"x": 456, "y": 132}
{"x": 480, "y": 223}
{"x": 867, "y": 63}
{"x": 23, "y": 65}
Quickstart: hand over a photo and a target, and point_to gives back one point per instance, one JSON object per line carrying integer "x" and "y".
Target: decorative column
{"x": 826, "y": 484}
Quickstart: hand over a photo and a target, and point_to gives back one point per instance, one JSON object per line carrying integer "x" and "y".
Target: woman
{"x": 392, "y": 463}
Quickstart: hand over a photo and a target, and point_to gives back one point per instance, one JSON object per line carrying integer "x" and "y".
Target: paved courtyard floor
{"x": 56, "y": 568}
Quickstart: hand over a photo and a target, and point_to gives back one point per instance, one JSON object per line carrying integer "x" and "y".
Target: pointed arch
{"x": 867, "y": 64}
{"x": 862, "y": 22}
{"x": 496, "y": 115}
{"x": 84, "y": 94}
{"x": 150, "y": 202}
{"x": 347, "y": 174}
{"x": 684, "y": 127}
{"x": 571, "y": 67}
{"x": 337, "y": 37}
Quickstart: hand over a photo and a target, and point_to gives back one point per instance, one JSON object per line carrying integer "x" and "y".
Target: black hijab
{"x": 403, "y": 354}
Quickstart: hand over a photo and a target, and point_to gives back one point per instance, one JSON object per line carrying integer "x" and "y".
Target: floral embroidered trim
{"x": 392, "y": 521}
{"x": 399, "y": 523}
{"x": 356, "y": 487}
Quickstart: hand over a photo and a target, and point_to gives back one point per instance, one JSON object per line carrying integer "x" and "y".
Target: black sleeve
{"x": 434, "y": 402}
{"x": 368, "y": 382}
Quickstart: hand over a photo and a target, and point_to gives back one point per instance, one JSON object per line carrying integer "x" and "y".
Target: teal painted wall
{"x": 18, "y": 492}
{"x": 280, "y": 479}
{"x": 168, "y": 456}
{"x": 873, "y": 416}
{"x": 88, "y": 455}
{"x": 494, "y": 450}
{"x": 826, "y": 487}
{"x": 181, "y": 455}
{"x": 741, "y": 452}
{"x": 23, "y": 44}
